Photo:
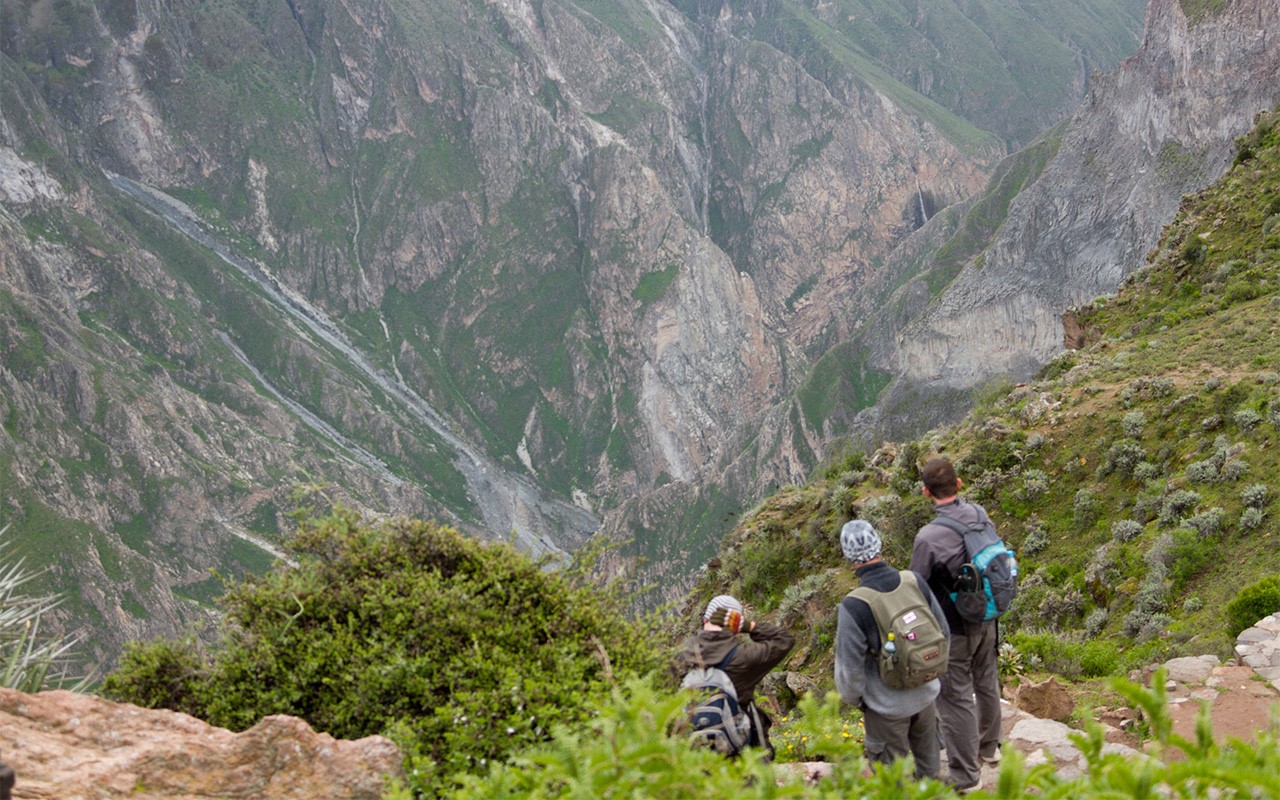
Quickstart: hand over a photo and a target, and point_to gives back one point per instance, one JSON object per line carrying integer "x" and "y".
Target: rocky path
{"x": 1240, "y": 695}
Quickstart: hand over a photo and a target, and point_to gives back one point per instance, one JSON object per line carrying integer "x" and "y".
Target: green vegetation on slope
{"x": 1133, "y": 478}
{"x": 461, "y": 651}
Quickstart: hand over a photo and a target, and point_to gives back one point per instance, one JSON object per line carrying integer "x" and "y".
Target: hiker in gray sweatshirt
{"x": 898, "y": 721}
{"x": 969, "y": 703}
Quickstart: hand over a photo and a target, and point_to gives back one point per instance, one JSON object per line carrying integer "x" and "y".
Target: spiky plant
{"x": 30, "y": 662}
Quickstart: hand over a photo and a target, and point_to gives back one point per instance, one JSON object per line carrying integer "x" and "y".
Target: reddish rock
{"x": 1047, "y": 700}
{"x": 75, "y": 747}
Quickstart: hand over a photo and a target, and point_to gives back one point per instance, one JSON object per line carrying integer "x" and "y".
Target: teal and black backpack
{"x": 988, "y": 580}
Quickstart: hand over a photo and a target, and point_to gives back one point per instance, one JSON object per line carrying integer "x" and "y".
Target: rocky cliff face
{"x": 527, "y": 266}
{"x": 1161, "y": 126}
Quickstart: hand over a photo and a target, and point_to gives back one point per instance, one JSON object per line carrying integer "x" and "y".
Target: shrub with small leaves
{"x": 1256, "y": 495}
{"x": 1246, "y": 419}
{"x": 1192, "y": 604}
{"x": 851, "y": 477}
{"x": 1146, "y": 472}
{"x": 1036, "y": 540}
{"x": 1206, "y": 523}
{"x": 1177, "y": 504}
{"x": 1122, "y": 457}
{"x": 1085, "y": 509}
{"x": 1152, "y": 627}
{"x": 1122, "y": 530}
{"x": 1202, "y": 472}
{"x": 1213, "y": 383}
{"x": 1251, "y": 518}
{"x": 1132, "y": 424}
{"x": 1060, "y": 607}
{"x": 1034, "y": 484}
{"x": 1234, "y": 470}
{"x": 1101, "y": 569}
{"x": 1095, "y": 622}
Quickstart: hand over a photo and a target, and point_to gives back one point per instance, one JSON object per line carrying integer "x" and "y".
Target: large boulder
{"x": 1046, "y": 700}
{"x": 75, "y": 747}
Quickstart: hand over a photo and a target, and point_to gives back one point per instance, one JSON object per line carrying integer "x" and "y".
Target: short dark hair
{"x": 939, "y": 478}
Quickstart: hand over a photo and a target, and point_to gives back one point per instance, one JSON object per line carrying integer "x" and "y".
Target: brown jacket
{"x": 768, "y": 644}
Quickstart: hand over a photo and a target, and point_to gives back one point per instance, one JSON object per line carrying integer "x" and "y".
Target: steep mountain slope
{"x": 1131, "y": 477}
{"x": 513, "y": 264}
{"x": 1091, "y": 202}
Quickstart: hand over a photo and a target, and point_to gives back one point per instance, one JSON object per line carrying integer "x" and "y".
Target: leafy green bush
{"x": 1098, "y": 658}
{"x": 161, "y": 674}
{"x": 462, "y": 651}
{"x": 1252, "y": 603}
{"x": 626, "y": 751}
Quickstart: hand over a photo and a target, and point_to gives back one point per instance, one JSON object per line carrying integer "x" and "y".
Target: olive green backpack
{"x": 920, "y": 647}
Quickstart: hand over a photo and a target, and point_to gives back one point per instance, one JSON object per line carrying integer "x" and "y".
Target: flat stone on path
{"x": 1191, "y": 669}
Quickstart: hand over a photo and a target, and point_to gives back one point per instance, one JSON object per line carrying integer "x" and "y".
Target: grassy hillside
{"x": 1134, "y": 477}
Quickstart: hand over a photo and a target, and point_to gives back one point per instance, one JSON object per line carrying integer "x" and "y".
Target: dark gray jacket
{"x": 938, "y": 555}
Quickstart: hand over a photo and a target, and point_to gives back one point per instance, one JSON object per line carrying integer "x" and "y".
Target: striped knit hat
{"x": 721, "y": 601}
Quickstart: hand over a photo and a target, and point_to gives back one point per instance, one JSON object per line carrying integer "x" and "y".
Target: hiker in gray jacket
{"x": 969, "y": 703}
{"x": 897, "y": 722}
{"x": 717, "y": 643}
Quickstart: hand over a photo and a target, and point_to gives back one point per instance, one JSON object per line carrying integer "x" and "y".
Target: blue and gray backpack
{"x": 988, "y": 580}
{"x": 717, "y": 721}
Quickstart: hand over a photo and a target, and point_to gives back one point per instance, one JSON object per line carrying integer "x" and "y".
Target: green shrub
{"x": 161, "y": 674}
{"x": 1098, "y": 658}
{"x": 1252, "y": 603}
{"x": 461, "y": 650}
{"x": 1085, "y": 509}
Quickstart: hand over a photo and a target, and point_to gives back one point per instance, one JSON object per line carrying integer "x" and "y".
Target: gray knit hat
{"x": 859, "y": 540}
{"x": 721, "y": 601}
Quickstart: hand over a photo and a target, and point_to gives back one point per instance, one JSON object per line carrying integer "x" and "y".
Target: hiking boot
{"x": 991, "y": 758}
{"x": 962, "y": 788}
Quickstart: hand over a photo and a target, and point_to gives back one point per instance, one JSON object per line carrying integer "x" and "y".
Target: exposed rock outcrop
{"x": 75, "y": 747}
{"x": 1161, "y": 126}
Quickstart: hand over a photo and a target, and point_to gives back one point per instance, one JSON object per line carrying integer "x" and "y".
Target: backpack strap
{"x": 724, "y": 662}
{"x": 947, "y": 522}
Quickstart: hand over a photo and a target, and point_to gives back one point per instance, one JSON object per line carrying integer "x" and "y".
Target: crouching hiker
{"x": 891, "y": 647}
{"x": 717, "y": 648}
